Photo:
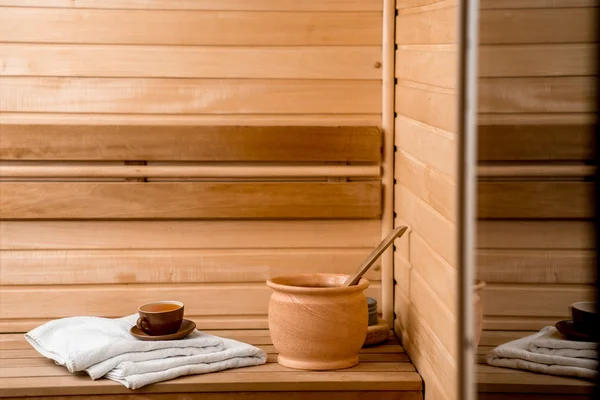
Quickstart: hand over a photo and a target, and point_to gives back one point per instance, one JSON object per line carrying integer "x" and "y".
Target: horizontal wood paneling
{"x": 431, "y": 24}
{"x": 512, "y": 4}
{"x": 189, "y": 200}
{"x": 61, "y": 267}
{"x": 188, "y": 96}
{"x": 431, "y": 145}
{"x": 537, "y": 95}
{"x": 99, "y": 300}
{"x": 535, "y": 199}
{"x": 235, "y": 5}
{"x": 533, "y": 300}
{"x": 535, "y": 235}
{"x": 189, "y": 143}
{"x": 435, "y": 188}
{"x": 327, "y": 62}
{"x": 214, "y": 28}
{"x": 538, "y": 25}
{"x": 432, "y": 65}
{"x": 552, "y": 142}
{"x": 529, "y": 323}
{"x": 261, "y": 234}
{"x": 576, "y": 59}
{"x": 427, "y": 104}
{"x": 536, "y": 266}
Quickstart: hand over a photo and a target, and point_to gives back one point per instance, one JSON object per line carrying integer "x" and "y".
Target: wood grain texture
{"x": 434, "y": 65}
{"x": 533, "y": 299}
{"x": 433, "y": 146}
{"x": 433, "y": 187}
{"x": 269, "y": 28}
{"x": 188, "y": 96}
{"x": 427, "y": 104}
{"x": 576, "y": 59}
{"x": 529, "y": 323}
{"x": 316, "y": 395}
{"x": 305, "y": 62}
{"x": 512, "y": 4}
{"x": 536, "y": 266}
{"x": 189, "y": 143}
{"x": 59, "y": 267}
{"x": 564, "y": 142}
{"x": 537, "y": 25}
{"x": 535, "y": 199}
{"x": 537, "y": 95}
{"x": 189, "y": 200}
{"x": 166, "y": 235}
{"x": 428, "y": 25}
{"x": 219, "y": 5}
{"x": 535, "y": 235}
{"x": 200, "y": 299}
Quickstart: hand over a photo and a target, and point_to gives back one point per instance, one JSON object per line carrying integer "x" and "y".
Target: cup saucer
{"x": 567, "y": 329}
{"x": 186, "y": 328}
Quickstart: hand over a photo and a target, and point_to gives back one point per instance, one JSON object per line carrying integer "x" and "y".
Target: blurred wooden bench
{"x": 510, "y": 384}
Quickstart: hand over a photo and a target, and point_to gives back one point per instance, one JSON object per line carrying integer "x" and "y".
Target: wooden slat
{"x": 435, "y": 24}
{"x": 537, "y": 266}
{"x": 155, "y": 235}
{"x": 436, "y": 230}
{"x": 528, "y": 172}
{"x": 533, "y": 299}
{"x": 535, "y": 235}
{"x": 49, "y": 267}
{"x": 189, "y": 200}
{"x": 433, "y": 146}
{"x": 202, "y": 322}
{"x": 512, "y": 4}
{"x": 189, "y": 143}
{"x": 536, "y": 95}
{"x": 116, "y": 300}
{"x": 235, "y": 5}
{"x": 573, "y": 59}
{"x": 320, "y": 395}
{"x": 343, "y": 62}
{"x": 427, "y": 104}
{"x": 188, "y": 96}
{"x": 529, "y": 26}
{"x": 189, "y": 27}
{"x": 496, "y": 338}
{"x": 432, "y": 65}
{"x": 529, "y": 323}
{"x": 567, "y": 142}
{"x": 535, "y": 199}
{"x": 430, "y": 185}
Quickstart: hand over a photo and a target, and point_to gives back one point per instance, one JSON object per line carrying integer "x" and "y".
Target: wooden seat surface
{"x": 384, "y": 372}
{"x": 504, "y": 383}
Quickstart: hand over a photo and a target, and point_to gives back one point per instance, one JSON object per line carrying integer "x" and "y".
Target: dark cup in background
{"x": 160, "y": 317}
{"x": 584, "y": 317}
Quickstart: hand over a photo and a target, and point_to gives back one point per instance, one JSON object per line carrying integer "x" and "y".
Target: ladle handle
{"x": 366, "y": 264}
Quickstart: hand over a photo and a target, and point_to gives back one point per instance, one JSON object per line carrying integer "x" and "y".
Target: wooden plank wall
{"x": 88, "y": 65}
{"x": 425, "y": 195}
{"x": 536, "y": 102}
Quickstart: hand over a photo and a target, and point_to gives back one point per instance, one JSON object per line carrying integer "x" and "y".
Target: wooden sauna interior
{"x": 536, "y": 250}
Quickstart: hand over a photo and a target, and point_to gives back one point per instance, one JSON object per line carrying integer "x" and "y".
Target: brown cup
{"x": 160, "y": 317}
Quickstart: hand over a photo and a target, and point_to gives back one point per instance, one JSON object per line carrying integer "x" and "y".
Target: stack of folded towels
{"x": 548, "y": 352}
{"x": 104, "y": 347}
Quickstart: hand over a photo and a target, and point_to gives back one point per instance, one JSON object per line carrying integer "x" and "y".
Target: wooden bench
{"x": 510, "y": 384}
{"x": 384, "y": 373}
{"x": 96, "y": 220}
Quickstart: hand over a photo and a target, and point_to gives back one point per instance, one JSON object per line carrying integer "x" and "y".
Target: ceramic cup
{"x": 160, "y": 317}
{"x": 584, "y": 317}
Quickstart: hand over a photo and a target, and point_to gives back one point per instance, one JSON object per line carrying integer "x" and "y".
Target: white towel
{"x": 134, "y": 375}
{"x": 554, "y": 344}
{"x": 81, "y": 342}
{"x": 516, "y": 355}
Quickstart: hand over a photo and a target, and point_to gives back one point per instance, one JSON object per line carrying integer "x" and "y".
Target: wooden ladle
{"x": 371, "y": 258}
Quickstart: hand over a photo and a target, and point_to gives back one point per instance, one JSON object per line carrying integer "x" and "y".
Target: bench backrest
{"x": 96, "y": 220}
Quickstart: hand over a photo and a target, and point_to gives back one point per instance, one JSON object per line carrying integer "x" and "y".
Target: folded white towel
{"x": 516, "y": 355}
{"x": 554, "y": 344}
{"x": 80, "y": 342}
{"x": 134, "y": 375}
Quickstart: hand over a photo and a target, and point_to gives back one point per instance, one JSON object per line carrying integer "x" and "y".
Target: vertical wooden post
{"x": 387, "y": 124}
